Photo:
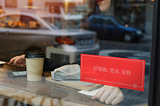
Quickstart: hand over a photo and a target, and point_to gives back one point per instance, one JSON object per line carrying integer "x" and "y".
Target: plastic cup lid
{"x": 34, "y": 55}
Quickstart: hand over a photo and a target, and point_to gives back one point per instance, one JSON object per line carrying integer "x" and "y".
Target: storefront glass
{"x": 134, "y": 14}
{"x": 65, "y": 29}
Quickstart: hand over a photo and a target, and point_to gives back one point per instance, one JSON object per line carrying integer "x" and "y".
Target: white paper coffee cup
{"x": 34, "y": 65}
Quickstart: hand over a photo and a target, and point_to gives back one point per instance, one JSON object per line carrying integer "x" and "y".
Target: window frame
{"x": 7, "y": 5}
{"x": 154, "y": 84}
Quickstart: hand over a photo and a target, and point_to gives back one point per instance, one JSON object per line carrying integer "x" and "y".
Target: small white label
{"x": 20, "y": 73}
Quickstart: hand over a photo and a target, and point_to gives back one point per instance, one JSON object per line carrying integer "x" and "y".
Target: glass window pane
{"x": 65, "y": 29}
{"x": 3, "y": 22}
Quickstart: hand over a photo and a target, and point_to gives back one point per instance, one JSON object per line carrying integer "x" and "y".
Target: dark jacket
{"x": 51, "y": 64}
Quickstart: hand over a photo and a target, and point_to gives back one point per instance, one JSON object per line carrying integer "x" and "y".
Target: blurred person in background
{"x": 108, "y": 94}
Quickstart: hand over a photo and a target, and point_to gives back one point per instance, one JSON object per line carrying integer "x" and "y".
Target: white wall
{"x": 39, "y": 3}
{"x": 21, "y": 3}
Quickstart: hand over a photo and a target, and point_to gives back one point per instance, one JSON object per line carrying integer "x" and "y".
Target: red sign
{"x": 113, "y": 71}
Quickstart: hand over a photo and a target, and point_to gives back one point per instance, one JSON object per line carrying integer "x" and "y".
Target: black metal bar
{"x": 15, "y": 103}
{"x": 154, "y": 86}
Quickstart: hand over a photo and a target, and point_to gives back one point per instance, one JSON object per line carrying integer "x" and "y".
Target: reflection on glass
{"x": 112, "y": 35}
{"x": 19, "y": 21}
{"x": 71, "y": 24}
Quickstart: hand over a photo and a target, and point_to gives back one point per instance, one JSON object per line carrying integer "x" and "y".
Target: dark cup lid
{"x": 34, "y": 55}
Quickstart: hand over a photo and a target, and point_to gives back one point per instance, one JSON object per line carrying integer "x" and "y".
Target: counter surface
{"x": 41, "y": 92}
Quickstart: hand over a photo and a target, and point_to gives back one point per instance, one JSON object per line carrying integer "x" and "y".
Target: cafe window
{"x": 29, "y": 22}
{"x": 3, "y": 22}
{"x": 129, "y": 14}
{"x": 54, "y": 9}
{"x": 11, "y": 3}
{"x": 132, "y": 33}
{"x": 19, "y": 22}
